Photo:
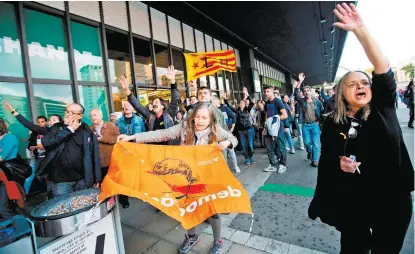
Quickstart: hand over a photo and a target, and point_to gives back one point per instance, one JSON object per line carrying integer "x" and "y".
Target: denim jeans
{"x": 59, "y": 189}
{"x": 288, "y": 139}
{"x": 34, "y": 163}
{"x": 233, "y": 163}
{"x": 247, "y": 142}
{"x": 277, "y": 154}
{"x": 311, "y": 135}
{"x": 299, "y": 133}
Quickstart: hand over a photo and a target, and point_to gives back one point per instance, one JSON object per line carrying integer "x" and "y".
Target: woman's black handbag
{"x": 16, "y": 169}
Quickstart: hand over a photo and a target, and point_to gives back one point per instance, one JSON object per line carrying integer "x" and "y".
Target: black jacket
{"x": 387, "y": 176}
{"x": 54, "y": 142}
{"x": 329, "y": 102}
{"x": 243, "y": 118}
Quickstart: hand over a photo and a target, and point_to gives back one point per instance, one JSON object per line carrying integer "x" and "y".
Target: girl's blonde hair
{"x": 191, "y": 130}
{"x": 342, "y": 107}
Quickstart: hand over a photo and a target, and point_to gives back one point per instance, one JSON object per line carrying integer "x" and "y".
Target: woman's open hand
{"x": 349, "y": 17}
{"x": 347, "y": 164}
{"x": 126, "y": 138}
{"x": 224, "y": 145}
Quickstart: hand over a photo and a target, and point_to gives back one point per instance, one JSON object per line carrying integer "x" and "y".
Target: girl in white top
{"x": 200, "y": 128}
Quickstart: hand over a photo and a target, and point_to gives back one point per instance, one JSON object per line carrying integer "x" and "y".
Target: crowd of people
{"x": 67, "y": 155}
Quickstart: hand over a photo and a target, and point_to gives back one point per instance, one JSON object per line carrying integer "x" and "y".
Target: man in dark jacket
{"x": 409, "y": 94}
{"x": 72, "y": 154}
{"x": 160, "y": 117}
{"x": 329, "y": 100}
{"x": 312, "y": 110}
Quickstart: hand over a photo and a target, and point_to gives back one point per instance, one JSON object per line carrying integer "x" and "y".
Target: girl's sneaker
{"x": 247, "y": 162}
{"x": 217, "y": 247}
{"x": 188, "y": 243}
{"x": 252, "y": 160}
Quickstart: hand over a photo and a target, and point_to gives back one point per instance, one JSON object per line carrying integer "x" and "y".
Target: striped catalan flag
{"x": 203, "y": 64}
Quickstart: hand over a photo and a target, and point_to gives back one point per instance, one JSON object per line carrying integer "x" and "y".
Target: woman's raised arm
{"x": 350, "y": 20}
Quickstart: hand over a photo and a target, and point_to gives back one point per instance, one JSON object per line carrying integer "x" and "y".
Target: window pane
{"x": 10, "y": 52}
{"x": 178, "y": 62}
{"x": 118, "y": 96}
{"x": 15, "y": 94}
{"x": 143, "y": 63}
{"x": 46, "y": 44}
{"x": 220, "y": 81}
{"x": 162, "y": 63}
{"x": 48, "y": 103}
{"x": 212, "y": 81}
{"x": 147, "y": 96}
{"x": 93, "y": 97}
{"x": 203, "y": 81}
{"x": 87, "y": 50}
{"x": 118, "y": 56}
{"x": 235, "y": 79}
{"x": 193, "y": 86}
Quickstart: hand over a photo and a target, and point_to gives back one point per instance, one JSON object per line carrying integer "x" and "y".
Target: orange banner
{"x": 187, "y": 183}
{"x": 208, "y": 63}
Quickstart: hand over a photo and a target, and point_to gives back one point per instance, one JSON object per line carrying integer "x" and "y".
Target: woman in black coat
{"x": 368, "y": 200}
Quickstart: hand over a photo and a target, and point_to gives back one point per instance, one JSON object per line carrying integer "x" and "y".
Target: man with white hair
{"x": 107, "y": 134}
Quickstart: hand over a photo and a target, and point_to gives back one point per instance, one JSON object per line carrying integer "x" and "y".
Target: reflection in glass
{"x": 118, "y": 56}
{"x": 15, "y": 94}
{"x": 147, "y": 96}
{"x": 236, "y": 83}
{"x": 93, "y": 97}
{"x": 143, "y": 63}
{"x": 162, "y": 63}
{"x": 46, "y": 45}
{"x": 212, "y": 81}
{"x": 220, "y": 81}
{"x": 203, "y": 81}
{"x": 48, "y": 103}
{"x": 178, "y": 62}
{"x": 87, "y": 51}
{"x": 118, "y": 96}
{"x": 10, "y": 51}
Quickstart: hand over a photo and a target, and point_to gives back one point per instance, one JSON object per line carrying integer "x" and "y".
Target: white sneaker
{"x": 281, "y": 169}
{"x": 301, "y": 148}
{"x": 292, "y": 151}
{"x": 237, "y": 170}
{"x": 270, "y": 168}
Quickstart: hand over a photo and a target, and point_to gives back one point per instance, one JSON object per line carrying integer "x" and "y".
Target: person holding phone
{"x": 365, "y": 176}
{"x": 72, "y": 159}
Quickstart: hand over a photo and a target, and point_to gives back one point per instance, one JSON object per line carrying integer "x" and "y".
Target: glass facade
{"x": 15, "y": 94}
{"x": 162, "y": 63}
{"x": 10, "y": 49}
{"x": 143, "y": 62}
{"x": 93, "y": 97}
{"x": 119, "y": 56}
{"x": 87, "y": 52}
{"x": 46, "y": 44}
{"x": 46, "y": 30}
{"x": 48, "y": 103}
